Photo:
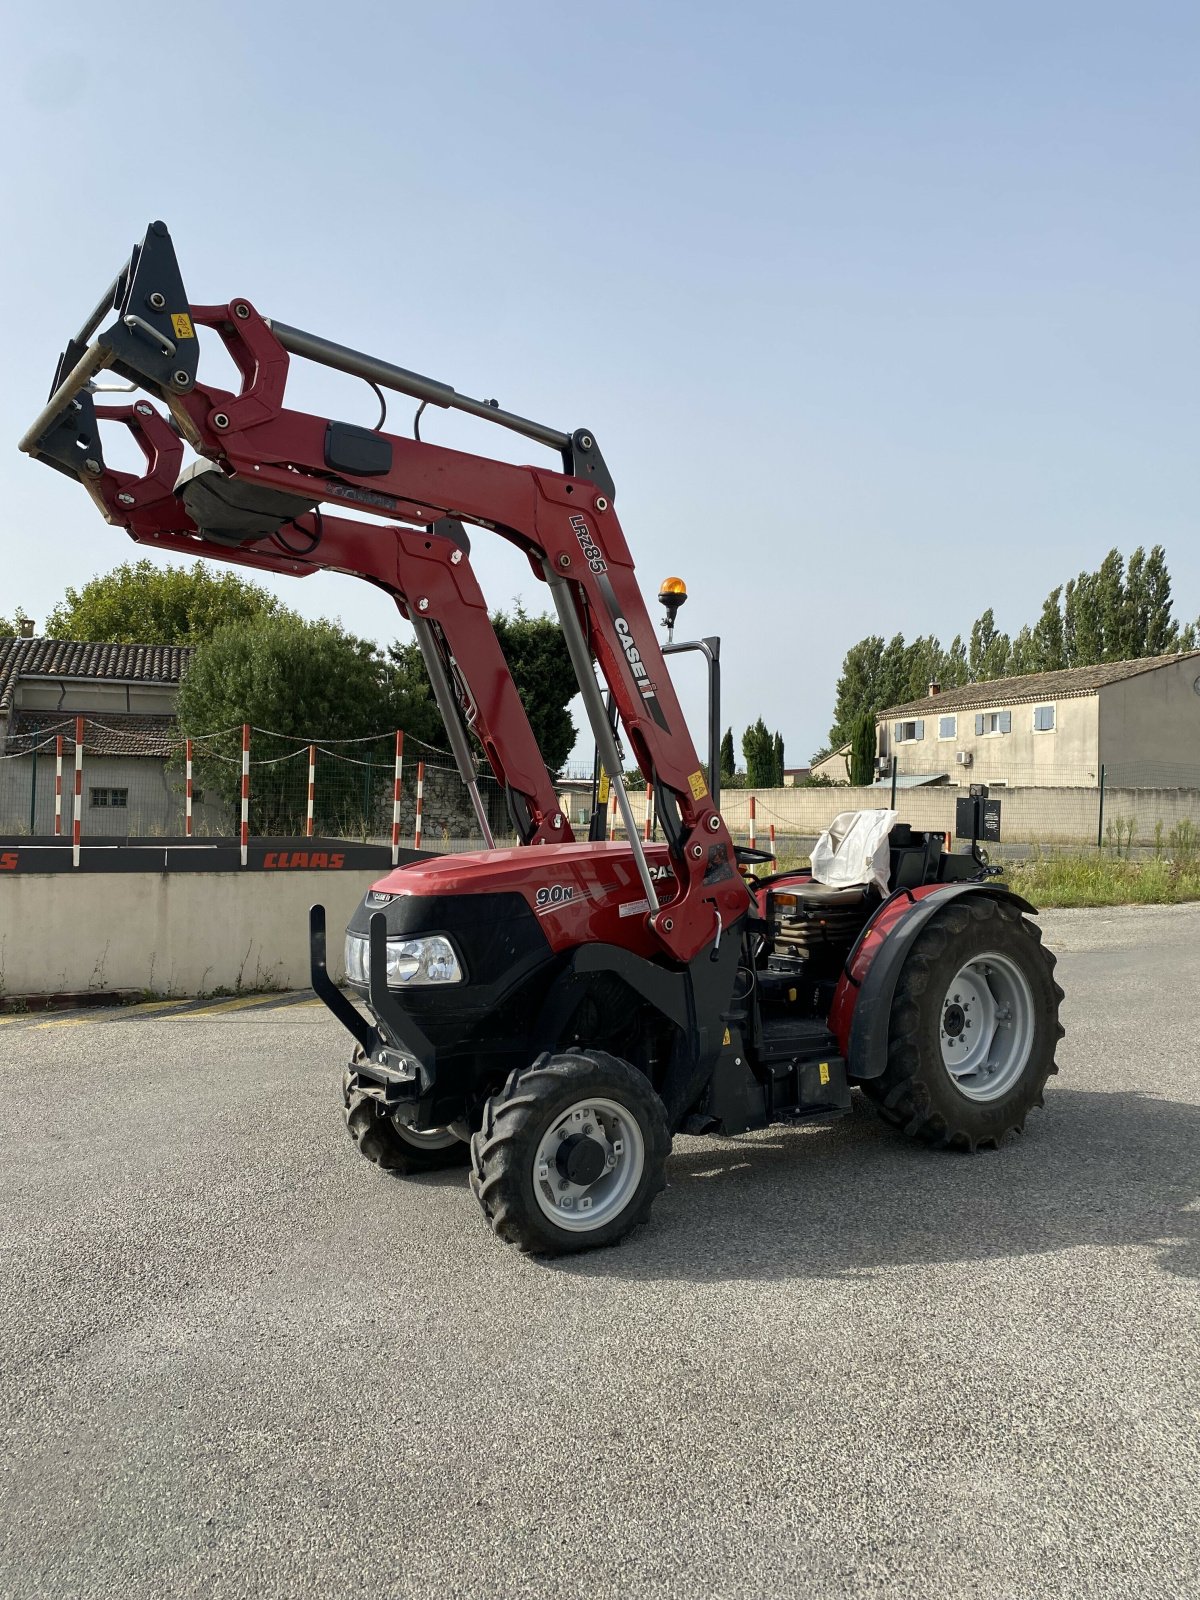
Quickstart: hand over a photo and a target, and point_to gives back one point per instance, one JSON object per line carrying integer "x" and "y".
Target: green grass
{"x": 1091, "y": 880}
{"x": 1103, "y": 880}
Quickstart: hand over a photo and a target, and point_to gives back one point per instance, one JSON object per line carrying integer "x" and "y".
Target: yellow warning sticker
{"x": 823, "y": 1069}
{"x": 182, "y": 324}
{"x": 727, "y": 1039}
{"x": 602, "y": 789}
{"x": 698, "y": 785}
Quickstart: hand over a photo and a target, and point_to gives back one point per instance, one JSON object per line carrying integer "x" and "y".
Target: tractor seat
{"x": 814, "y": 896}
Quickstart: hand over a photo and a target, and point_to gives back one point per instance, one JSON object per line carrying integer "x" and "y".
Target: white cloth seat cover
{"x": 854, "y": 850}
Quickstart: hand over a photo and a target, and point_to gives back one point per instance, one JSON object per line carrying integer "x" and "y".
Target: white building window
{"x": 1043, "y": 719}
{"x": 987, "y": 722}
{"x": 947, "y": 727}
{"x": 109, "y": 797}
{"x": 910, "y": 732}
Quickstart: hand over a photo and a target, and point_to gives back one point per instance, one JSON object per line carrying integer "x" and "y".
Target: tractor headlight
{"x": 431, "y": 959}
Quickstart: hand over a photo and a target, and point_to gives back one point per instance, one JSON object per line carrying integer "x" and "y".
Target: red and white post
{"x": 187, "y": 788}
{"x": 771, "y": 830}
{"x": 58, "y": 787}
{"x": 612, "y": 819}
{"x": 648, "y": 832}
{"x": 312, "y": 791}
{"x": 245, "y": 793}
{"x": 77, "y": 824}
{"x": 420, "y": 803}
{"x": 753, "y": 838}
{"x": 396, "y": 782}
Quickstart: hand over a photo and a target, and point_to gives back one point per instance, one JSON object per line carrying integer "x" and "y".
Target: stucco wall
{"x": 1065, "y": 756}
{"x": 172, "y": 933}
{"x": 1152, "y": 719}
{"x": 835, "y": 766}
{"x": 155, "y": 797}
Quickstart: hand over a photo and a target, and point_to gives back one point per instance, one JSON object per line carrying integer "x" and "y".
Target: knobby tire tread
{"x": 511, "y": 1126}
{"x": 912, "y": 1094}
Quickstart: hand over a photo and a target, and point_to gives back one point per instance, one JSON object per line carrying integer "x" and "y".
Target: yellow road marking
{"x": 64, "y": 1022}
{"x": 231, "y": 1005}
{"x": 142, "y": 1007}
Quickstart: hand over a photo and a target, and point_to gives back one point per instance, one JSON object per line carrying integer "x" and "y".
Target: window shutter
{"x": 979, "y": 724}
{"x": 920, "y": 729}
{"x": 898, "y": 729}
{"x": 1006, "y": 722}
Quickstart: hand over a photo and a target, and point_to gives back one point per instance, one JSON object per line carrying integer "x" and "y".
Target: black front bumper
{"x": 395, "y": 1063}
{"x": 478, "y": 1034}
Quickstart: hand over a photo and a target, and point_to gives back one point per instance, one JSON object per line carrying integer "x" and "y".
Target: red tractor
{"x": 552, "y": 1014}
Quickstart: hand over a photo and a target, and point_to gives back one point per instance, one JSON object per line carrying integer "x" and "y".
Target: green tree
{"x": 304, "y": 681}
{"x": 857, "y": 686}
{"x": 1049, "y": 647}
{"x": 953, "y": 672}
{"x": 728, "y": 760}
{"x": 989, "y": 650}
{"x": 1022, "y": 655}
{"x": 864, "y": 684}
{"x": 540, "y": 664}
{"x": 763, "y": 751}
{"x": 923, "y": 660}
{"x": 143, "y": 603}
{"x": 541, "y": 669}
{"x": 862, "y": 750}
{"x": 10, "y": 629}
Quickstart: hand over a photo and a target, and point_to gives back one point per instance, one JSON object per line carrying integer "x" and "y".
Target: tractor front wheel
{"x": 399, "y": 1149}
{"x": 571, "y": 1153}
{"x": 973, "y": 1029}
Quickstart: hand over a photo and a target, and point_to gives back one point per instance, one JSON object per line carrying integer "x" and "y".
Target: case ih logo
{"x": 591, "y": 550}
{"x": 634, "y": 657}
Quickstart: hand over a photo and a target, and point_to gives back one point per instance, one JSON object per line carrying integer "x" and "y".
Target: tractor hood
{"x": 577, "y": 892}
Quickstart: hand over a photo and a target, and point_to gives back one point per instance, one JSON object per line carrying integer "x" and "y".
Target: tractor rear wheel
{"x": 571, "y": 1153}
{"x": 399, "y": 1149}
{"x": 973, "y": 1029}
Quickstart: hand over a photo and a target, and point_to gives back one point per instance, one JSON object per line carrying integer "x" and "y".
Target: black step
{"x": 795, "y": 1038}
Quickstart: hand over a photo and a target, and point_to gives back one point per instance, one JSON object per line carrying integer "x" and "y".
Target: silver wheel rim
{"x": 987, "y": 1026}
{"x": 582, "y": 1207}
{"x": 426, "y": 1138}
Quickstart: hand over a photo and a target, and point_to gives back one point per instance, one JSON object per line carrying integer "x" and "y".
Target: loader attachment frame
{"x": 257, "y": 499}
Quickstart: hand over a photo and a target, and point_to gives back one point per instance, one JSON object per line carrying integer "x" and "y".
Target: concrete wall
{"x": 171, "y": 933}
{"x": 1066, "y": 815}
{"x": 1153, "y": 718}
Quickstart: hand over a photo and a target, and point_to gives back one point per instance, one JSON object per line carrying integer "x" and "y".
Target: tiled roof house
{"x": 1139, "y": 718}
{"x": 126, "y": 694}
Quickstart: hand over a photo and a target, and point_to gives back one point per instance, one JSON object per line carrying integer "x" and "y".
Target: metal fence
{"x": 250, "y": 782}
{"x": 258, "y": 784}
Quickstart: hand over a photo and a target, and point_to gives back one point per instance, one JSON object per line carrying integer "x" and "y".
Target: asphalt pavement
{"x": 236, "y": 1360}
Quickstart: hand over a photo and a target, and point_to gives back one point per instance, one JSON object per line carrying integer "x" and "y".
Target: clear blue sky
{"x": 881, "y": 314}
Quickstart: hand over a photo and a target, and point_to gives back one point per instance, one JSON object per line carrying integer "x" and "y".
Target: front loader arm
{"x": 426, "y": 570}
{"x": 291, "y": 463}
